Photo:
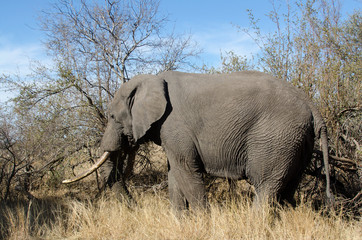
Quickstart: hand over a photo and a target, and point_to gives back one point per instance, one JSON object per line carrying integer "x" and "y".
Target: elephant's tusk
{"x": 99, "y": 163}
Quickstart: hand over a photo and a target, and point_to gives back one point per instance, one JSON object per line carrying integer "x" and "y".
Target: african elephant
{"x": 245, "y": 125}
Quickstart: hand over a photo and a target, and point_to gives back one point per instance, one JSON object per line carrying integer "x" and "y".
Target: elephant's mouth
{"x": 86, "y": 173}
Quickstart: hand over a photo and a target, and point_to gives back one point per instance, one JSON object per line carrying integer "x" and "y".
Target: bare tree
{"x": 126, "y": 35}
{"x": 99, "y": 47}
{"x": 96, "y": 47}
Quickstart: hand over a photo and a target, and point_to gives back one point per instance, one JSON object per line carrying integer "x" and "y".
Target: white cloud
{"x": 16, "y": 59}
{"x": 224, "y": 38}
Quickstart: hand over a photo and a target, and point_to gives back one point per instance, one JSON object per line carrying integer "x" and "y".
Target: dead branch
{"x": 341, "y": 162}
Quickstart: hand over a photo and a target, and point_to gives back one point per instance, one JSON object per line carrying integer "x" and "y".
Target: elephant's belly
{"x": 223, "y": 157}
{"x": 219, "y": 165}
{"x": 226, "y": 174}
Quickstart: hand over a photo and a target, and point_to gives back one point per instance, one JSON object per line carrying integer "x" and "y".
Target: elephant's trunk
{"x": 99, "y": 163}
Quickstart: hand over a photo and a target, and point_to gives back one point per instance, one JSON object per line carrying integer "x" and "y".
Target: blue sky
{"x": 210, "y": 23}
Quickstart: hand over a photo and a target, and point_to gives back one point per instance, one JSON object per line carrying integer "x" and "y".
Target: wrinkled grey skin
{"x": 244, "y": 125}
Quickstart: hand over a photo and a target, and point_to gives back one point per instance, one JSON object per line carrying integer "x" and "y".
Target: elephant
{"x": 245, "y": 125}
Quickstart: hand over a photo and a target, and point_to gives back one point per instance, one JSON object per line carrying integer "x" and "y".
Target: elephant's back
{"x": 203, "y": 100}
{"x": 199, "y": 87}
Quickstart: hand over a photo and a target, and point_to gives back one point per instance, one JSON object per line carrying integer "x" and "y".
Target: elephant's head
{"x": 136, "y": 106}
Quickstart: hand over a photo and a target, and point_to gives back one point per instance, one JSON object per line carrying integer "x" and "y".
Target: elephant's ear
{"x": 148, "y": 105}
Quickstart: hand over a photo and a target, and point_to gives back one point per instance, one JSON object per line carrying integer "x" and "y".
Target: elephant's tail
{"x": 324, "y": 144}
{"x": 320, "y": 130}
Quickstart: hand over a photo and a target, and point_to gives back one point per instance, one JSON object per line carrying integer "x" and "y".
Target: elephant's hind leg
{"x": 265, "y": 193}
{"x": 279, "y": 189}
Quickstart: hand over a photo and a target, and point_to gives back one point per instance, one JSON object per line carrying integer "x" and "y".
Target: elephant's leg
{"x": 185, "y": 168}
{"x": 292, "y": 180}
{"x": 123, "y": 168}
{"x": 265, "y": 193}
{"x": 120, "y": 189}
{"x": 192, "y": 186}
{"x": 129, "y": 163}
{"x": 118, "y": 179}
{"x": 287, "y": 195}
{"x": 291, "y": 184}
{"x": 177, "y": 198}
{"x": 111, "y": 176}
{"x": 260, "y": 198}
{"x": 105, "y": 175}
{"x": 270, "y": 193}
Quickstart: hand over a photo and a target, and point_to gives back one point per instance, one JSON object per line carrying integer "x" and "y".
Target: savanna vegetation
{"x": 51, "y": 129}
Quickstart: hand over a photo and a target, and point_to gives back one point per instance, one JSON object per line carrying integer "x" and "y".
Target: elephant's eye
{"x": 112, "y": 116}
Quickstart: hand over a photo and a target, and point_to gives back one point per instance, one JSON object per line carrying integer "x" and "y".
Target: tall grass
{"x": 152, "y": 218}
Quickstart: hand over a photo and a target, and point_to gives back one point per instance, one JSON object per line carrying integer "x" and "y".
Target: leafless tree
{"x": 96, "y": 46}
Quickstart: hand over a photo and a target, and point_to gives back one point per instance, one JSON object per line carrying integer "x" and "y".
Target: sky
{"x": 210, "y": 22}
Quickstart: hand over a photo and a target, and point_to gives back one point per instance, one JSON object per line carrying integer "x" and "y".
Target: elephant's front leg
{"x": 189, "y": 184}
{"x": 113, "y": 175}
{"x": 177, "y": 198}
{"x": 105, "y": 175}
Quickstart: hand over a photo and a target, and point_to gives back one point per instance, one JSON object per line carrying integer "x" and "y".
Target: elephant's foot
{"x": 121, "y": 193}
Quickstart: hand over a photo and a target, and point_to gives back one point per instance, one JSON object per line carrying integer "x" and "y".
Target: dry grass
{"x": 152, "y": 218}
